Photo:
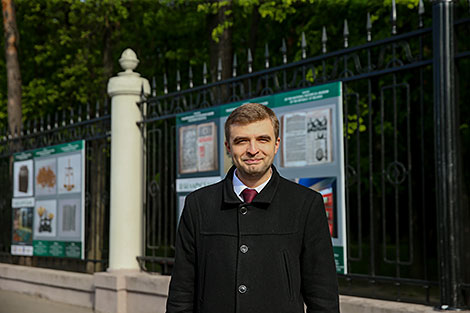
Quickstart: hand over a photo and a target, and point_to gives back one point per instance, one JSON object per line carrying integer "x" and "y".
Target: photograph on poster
{"x": 198, "y": 148}
{"x": 69, "y": 171}
{"x": 326, "y": 186}
{"x": 22, "y": 231}
{"x": 306, "y": 138}
{"x": 188, "y": 149}
{"x": 46, "y": 177}
{"x": 23, "y": 178}
{"x": 69, "y": 218}
{"x": 45, "y": 218}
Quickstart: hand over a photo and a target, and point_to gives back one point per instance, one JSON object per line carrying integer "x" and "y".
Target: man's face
{"x": 253, "y": 147}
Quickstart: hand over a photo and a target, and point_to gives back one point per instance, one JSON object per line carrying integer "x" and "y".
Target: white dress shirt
{"x": 239, "y": 186}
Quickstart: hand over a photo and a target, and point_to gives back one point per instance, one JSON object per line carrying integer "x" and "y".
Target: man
{"x": 254, "y": 242}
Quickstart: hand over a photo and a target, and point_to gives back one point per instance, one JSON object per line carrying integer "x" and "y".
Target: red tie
{"x": 249, "y": 194}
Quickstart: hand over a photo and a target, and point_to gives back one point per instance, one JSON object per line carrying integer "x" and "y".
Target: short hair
{"x": 250, "y": 113}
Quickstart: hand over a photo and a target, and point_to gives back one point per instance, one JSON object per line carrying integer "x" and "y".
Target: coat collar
{"x": 263, "y": 199}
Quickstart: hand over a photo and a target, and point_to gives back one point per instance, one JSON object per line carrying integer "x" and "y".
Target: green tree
{"x": 70, "y": 48}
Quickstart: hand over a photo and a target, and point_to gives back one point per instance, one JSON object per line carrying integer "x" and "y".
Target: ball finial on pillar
{"x": 128, "y": 60}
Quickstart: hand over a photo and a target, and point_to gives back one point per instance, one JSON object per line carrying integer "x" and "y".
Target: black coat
{"x": 269, "y": 256}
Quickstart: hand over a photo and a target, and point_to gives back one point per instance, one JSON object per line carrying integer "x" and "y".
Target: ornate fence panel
{"x": 94, "y": 127}
{"x": 389, "y": 142}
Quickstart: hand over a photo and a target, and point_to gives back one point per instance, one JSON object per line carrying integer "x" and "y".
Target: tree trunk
{"x": 223, "y": 48}
{"x": 253, "y": 40}
{"x": 13, "y": 67}
{"x": 107, "y": 56}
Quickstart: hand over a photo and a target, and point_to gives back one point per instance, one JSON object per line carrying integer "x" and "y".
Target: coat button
{"x": 242, "y": 289}
{"x": 243, "y": 210}
{"x": 244, "y": 248}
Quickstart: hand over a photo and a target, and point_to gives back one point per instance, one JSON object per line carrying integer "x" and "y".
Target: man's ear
{"x": 276, "y": 145}
{"x": 227, "y": 147}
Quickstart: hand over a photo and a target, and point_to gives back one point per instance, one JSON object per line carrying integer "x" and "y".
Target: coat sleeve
{"x": 318, "y": 270}
{"x": 181, "y": 296}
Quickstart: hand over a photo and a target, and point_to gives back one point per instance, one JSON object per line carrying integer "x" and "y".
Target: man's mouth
{"x": 252, "y": 161}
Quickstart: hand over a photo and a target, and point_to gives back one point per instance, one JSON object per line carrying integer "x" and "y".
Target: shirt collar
{"x": 262, "y": 200}
{"x": 239, "y": 186}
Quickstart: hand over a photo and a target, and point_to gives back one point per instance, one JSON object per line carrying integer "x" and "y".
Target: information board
{"x": 311, "y": 150}
{"x": 48, "y": 201}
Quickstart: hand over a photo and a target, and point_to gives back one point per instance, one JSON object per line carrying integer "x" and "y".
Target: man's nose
{"x": 252, "y": 148}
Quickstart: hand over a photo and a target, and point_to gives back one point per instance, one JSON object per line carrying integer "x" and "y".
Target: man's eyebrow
{"x": 264, "y": 136}
{"x": 240, "y": 137}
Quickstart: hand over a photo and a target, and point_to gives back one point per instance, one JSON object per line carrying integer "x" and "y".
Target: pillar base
{"x": 125, "y": 291}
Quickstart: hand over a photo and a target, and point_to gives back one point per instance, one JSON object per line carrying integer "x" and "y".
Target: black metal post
{"x": 446, "y": 152}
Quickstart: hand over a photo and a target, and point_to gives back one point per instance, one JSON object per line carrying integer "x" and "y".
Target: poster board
{"x": 49, "y": 201}
{"x": 311, "y": 150}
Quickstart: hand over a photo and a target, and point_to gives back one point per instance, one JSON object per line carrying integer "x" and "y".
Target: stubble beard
{"x": 254, "y": 172}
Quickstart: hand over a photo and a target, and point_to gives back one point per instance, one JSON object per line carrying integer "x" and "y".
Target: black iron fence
{"x": 92, "y": 125}
{"x": 395, "y": 248}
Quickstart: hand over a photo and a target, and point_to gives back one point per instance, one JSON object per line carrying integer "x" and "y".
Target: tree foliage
{"x": 70, "y": 48}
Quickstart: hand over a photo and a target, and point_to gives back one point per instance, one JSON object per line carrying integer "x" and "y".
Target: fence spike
{"x": 16, "y": 132}
{"x": 41, "y": 125}
{"x": 178, "y": 80}
{"x": 324, "y": 40}
{"x": 79, "y": 113}
{"x": 369, "y": 28}
{"x": 106, "y": 105}
{"x": 284, "y": 51}
{"x": 204, "y": 73}
{"x": 142, "y": 94}
{"x": 56, "y": 119}
{"x": 28, "y": 126}
{"x": 421, "y": 12}
{"x": 72, "y": 113}
{"x": 219, "y": 69}
{"x": 35, "y": 125}
{"x": 394, "y": 17}
{"x": 234, "y": 65}
{"x": 346, "y": 33}
{"x": 48, "y": 126}
{"x": 266, "y": 55}
{"x": 190, "y": 76}
{"x": 97, "y": 109}
{"x": 63, "y": 117}
{"x": 165, "y": 84}
{"x": 154, "y": 87}
{"x": 250, "y": 61}
{"x": 303, "y": 45}
{"x": 88, "y": 110}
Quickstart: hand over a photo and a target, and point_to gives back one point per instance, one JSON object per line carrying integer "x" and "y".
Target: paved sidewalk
{"x": 13, "y": 302}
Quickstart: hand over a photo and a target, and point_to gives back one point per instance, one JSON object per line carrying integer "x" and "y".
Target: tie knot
{"x": 249, "y": 194}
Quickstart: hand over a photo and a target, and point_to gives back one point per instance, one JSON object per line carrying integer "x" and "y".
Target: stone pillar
{"x": 126, "y": 231}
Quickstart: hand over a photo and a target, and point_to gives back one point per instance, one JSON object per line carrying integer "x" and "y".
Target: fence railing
{"x": 92, "y": 125}
{"x": 389, "y": 144}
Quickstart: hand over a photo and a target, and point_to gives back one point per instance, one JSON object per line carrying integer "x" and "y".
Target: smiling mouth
{"x": 252, "y": 161}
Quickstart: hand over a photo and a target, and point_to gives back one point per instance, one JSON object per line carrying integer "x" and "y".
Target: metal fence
{"x": 92, "y": 125}
{"x": 395, "y": 248}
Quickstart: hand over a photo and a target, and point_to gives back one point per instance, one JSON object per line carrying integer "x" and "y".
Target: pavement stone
{"x": 14, "y": 302}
